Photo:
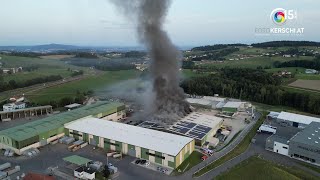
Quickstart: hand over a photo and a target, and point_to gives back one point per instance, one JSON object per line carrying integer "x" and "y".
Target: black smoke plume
{"x": 167, "y": 104}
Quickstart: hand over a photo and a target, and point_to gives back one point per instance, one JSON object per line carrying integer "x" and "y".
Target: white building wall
{"x": 70, "y": 131}
{"x": 112, "y": 147}
{"x": 152, "y": 158}
{"x": 138, "y": 151}
{"x": 281, "y": 148}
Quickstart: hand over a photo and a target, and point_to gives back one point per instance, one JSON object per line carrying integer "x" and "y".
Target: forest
{"x": 215, "y": 47}
{"x": 311, "y": 64}
{"x": 251, "y": 85}
{"x": 285, "y": 44}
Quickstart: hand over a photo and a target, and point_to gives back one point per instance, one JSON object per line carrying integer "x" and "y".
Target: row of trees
{"x": 79, "y": 98}
{"x": 286, "y": 43}
{"x": 215, "y": 47}
{"x": 311, "y": 64}
{"x": 12, "y": 84}
{"x": 251, "y": 85}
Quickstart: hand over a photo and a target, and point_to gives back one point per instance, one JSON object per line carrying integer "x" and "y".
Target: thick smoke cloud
{"x": 167, "y": 104}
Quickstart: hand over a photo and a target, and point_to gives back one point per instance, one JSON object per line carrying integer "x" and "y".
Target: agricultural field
{"x": 56, "y": 57}
{"x": 95, "y": 83}
{"x": 257, "y": 168}
{"x": 46, "y": 67}
{"x": 307, "y": 84}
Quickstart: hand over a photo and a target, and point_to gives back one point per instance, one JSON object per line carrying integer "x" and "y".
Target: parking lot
{"x": 52, "y": 156}
{"x": 152, "y": 166}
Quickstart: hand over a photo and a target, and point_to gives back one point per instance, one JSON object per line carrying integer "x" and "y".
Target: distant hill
{"x": 286, "y": 43}
{"x": 62, "y": 47}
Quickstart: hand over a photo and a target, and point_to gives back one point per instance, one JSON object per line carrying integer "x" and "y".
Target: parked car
{"x": 142, "y": 162}
{"x": 203, "y": 158}
{"x": 137, "y": 161}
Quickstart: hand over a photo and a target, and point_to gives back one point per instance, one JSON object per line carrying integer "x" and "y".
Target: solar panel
{"x": 198, "y": 135}
{"x": 202, "y": 128}
{"x": 180, "y": 129}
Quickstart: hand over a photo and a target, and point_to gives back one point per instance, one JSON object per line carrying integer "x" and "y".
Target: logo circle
{"x": 278, "y": 16}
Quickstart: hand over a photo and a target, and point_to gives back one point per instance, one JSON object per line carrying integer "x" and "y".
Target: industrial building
{"x": 231, "y": 107}
{"x": 43, "y": 131}
{"x": 14, "y": 106}
{"x": 198, "y": 126}
{"x": 303, "y": 146}
{"x": 295, "y": 120}
{"x": 159, "y": 147}
{"x": 208, "y": 102}
{"x": 25, "y": 113}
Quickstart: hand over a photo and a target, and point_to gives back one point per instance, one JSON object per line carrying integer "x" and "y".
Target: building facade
{"x": 302, "y": 146}
{"x": 43, "y": 131}
{"x": 163, "y": 148}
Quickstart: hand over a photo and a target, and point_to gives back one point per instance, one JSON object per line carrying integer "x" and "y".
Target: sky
{"x": 188, "y": 22}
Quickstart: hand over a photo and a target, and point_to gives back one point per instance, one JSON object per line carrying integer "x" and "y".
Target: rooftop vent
{"x": 312, "y": 134}
{"x": 316, "y": 142}
{"x": 316, "y": 131}
{"x": 309, "y": 137}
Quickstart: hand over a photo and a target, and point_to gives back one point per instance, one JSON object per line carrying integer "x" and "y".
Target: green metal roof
{"x": 78, "y": 160}
{"x": 31, "y": 129}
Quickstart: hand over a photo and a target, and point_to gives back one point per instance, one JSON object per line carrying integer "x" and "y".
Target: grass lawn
{"x": 239, "y": 149}
{"x": 267, "y": 108}
{"x": 312, "y": 167}
{"x": 192, "y": 160}
{"x": 90, "y": 83}
{"x": 308, "y": 76}
{"x": 42, "y": 72}
{"x": 257, "y": 168}
{"x": 187, "y": 73}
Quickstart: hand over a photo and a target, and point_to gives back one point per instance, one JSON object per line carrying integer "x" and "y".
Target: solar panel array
{"x": 190, "y": 129}
{"x": 148, "y": 124}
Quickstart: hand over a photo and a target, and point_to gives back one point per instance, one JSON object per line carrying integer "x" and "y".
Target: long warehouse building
{"x": 159, "y": 147}
{"x": 43, "y": 131}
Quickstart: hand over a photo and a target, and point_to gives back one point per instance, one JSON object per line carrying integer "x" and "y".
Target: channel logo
{"x": 280, "y": 16}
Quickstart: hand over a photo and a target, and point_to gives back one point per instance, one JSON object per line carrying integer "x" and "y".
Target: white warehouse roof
{"x": 204, "y": 102}
{"x": 231, "y": 104}
{"x": 167, "y": 143}
{"x": 203, "y": 119}
{"x": 297, "y": 118}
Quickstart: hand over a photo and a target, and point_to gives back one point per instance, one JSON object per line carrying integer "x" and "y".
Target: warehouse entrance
{"x": 132, "y": 152}
{"x": 43, "y": 142}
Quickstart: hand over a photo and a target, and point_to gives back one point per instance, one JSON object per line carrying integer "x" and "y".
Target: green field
{"x": 187, "y": 73}
{"x": 90, "y": 83}
{"x": 47, "y": 67}
{"x": 192, "y": 160}
{"x": 256, "y": 168}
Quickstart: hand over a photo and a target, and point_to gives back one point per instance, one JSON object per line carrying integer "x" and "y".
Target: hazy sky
{"x": 189, "y": 22}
